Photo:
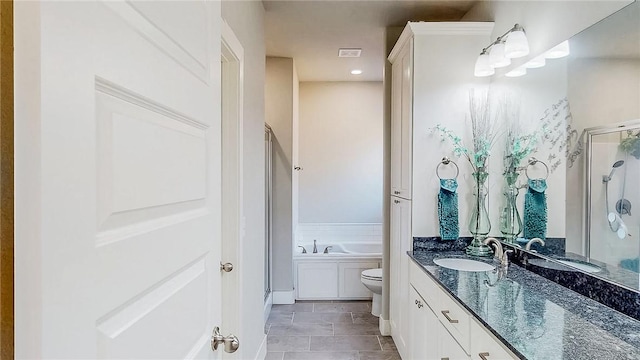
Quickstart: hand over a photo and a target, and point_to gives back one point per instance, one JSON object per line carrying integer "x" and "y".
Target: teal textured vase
{"x": 479, "y": 224}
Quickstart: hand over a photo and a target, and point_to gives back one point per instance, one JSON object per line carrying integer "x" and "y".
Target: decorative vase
{"x": 510, "y": 221}
{"x": 479, "y": 225}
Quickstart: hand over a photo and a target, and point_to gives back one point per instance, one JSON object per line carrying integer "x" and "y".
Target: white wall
{"x": 246, "y": 18}
{"x": 279, "y": 114}
{"x": 440, "y": 96}
{"x": 341, "y": 152}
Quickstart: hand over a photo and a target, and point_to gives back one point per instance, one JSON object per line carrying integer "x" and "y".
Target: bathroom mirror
{"x": 598, "y": 87}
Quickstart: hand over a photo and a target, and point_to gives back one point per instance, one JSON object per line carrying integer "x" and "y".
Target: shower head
{"x": 616, "y": 165}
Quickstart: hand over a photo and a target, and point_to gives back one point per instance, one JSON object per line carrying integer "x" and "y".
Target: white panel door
{"x": 127, "y": 191}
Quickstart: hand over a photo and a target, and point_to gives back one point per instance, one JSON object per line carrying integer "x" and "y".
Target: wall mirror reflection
{"x": 598, "y": 85}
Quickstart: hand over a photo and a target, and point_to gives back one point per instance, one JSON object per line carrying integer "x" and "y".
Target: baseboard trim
{"x": 284, "y": 297}
{"x": 385, "y": 326}
{"x": 262, "y": 352}
{"x": 267, "y": 306}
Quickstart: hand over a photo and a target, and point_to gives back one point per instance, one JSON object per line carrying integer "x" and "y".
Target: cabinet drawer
{"x": 486, "y": 344}
{"x": 423, "y": 284}
{"x": 455, "y": 319}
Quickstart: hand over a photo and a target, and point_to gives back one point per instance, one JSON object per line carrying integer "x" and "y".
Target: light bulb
{"x": 516, "y": 45}
{"x": 496, "y": 56}
{"x": 483, "y": 66}
{"x": 356, "y": 72}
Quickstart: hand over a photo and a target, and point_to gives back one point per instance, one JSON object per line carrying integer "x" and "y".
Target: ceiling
{"x": 312, "y": 31}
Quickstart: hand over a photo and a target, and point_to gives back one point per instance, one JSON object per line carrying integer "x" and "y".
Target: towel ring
{"x": 532, "y": 162}
{"x": 447, "y": 161}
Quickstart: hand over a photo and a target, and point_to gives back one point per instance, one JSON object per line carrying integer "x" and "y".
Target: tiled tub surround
{"x": 327, "y": 330}
{"x": 534, "y": 317}
{"x": 337, "y": 233}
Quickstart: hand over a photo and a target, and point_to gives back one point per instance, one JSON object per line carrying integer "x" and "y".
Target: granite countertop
{"x": 535, "y": 317}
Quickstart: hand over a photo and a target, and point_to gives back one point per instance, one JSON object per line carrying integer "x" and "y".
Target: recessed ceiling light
{"x": 352, "y": 52}
{"x": 356, "y": 72}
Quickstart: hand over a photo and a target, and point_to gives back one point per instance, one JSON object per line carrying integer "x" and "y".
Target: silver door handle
{"x": 484, "y": 355}
{"x": 226, "y": 267}
{"x": 231, "y": 342}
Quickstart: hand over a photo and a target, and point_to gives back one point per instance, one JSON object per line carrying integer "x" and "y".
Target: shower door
{"x": 613, "y": 201}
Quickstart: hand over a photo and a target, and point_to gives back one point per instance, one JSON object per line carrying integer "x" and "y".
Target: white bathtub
{"x": 342, "y": 249}
{"x": 335, "y": 275}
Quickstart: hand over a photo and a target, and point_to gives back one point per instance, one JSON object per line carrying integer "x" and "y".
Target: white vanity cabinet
{"x": 401, "y": 241}
{"x": 401, "y": 121}
{"x": 442, "y": 329}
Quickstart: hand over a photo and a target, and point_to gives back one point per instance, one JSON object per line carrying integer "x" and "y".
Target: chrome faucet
{"x": 496, "y": 245}
{"x": 315, "y": 247}
{"x": 533, "y": 241}
{"x": 500, "y": 254}
{"x": 304, "y": 251}
{"x": 326, "y": 250}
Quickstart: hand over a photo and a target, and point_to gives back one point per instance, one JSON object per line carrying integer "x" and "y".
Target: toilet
{"x": 372, "y": 279}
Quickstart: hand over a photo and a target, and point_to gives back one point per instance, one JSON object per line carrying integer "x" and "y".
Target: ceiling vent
{"x": 350, "y": 53}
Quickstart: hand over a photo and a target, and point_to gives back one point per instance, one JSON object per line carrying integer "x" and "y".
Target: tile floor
{"x": 327, "y": 330}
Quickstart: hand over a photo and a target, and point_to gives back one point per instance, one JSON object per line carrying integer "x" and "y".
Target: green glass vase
{"x": 510, "y": 221}
{"x": 479, "y": 224}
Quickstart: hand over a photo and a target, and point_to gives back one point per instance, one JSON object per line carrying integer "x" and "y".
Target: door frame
{"x": 233, "y": 220}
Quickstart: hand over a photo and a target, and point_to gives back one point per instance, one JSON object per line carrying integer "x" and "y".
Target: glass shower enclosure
{"x": 612, "y": 228}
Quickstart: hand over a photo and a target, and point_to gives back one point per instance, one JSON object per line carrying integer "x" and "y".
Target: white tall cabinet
{"x": 432, "y": 71}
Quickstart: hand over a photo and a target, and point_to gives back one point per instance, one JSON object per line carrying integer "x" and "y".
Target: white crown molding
{"x": 439, "y": 28}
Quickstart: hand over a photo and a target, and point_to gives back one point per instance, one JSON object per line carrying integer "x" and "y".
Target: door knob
{"x": 231, "y": 342}
{"x": 226, "y": 267}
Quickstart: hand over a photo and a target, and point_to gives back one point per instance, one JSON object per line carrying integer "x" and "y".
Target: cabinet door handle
{"x": 446, "y": 315}
{"x": 396, "y": 201}
{"x": 397, "y": 192}
{"x": 444, "y": 358}
{"x": 484, "y": 355}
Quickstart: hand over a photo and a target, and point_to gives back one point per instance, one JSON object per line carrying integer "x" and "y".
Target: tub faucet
{"x": 315, "y": 247}
{"x": 326, "y": 250}
{"x": 304, "y": 251}
{"x": 533, "y": 241}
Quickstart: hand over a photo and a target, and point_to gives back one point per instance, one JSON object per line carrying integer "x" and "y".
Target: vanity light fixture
{"x": 519, "y": 71}
{"x": 356, "y": 72}
{"x": 558, "y": 51}
{"x": 512, "y": 44}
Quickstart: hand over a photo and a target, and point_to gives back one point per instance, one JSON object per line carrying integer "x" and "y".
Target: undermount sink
{"x": 463, "y": 264}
